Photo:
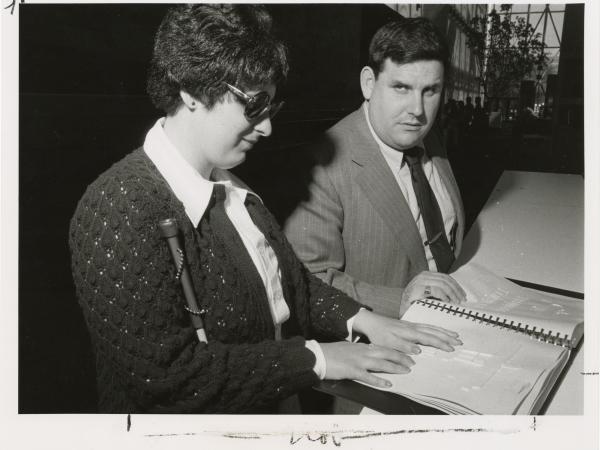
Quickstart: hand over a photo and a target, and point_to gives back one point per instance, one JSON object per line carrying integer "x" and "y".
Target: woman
{"x": 214, "y": 73}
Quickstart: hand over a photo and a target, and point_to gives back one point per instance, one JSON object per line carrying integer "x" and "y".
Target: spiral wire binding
{"x": 489, "y": 319}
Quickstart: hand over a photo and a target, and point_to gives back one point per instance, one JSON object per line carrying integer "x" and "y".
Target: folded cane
{"x": 170, "y": 231}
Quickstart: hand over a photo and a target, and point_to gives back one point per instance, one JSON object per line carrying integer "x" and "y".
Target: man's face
{"x": 403, "y": 100}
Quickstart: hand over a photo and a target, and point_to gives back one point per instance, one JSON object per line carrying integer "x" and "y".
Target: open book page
{"x": 495, "y": 371}
{"x": 491, "y": 294}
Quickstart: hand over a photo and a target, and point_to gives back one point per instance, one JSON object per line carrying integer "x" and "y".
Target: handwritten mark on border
{"x": 12, "y": 5}
{"x": 338, "y": 436}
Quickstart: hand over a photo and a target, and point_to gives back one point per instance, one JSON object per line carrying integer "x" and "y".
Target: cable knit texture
{"x": 148, "y": 358}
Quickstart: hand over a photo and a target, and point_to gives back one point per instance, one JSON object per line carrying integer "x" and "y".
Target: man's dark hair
{"x": 405, "y": 41}
{"x": 200, "y": 47}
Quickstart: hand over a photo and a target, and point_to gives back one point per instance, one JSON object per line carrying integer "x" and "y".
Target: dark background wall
{"x": 83, "y": 106}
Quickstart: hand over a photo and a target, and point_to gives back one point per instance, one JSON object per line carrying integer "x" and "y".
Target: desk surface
{"x": 531, "y": 229}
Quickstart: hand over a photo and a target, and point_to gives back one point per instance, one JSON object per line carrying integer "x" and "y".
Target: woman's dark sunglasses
{"x": 256, "y": 105}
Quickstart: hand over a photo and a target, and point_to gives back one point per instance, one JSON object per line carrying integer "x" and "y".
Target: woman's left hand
{"x": 402, "y": 335}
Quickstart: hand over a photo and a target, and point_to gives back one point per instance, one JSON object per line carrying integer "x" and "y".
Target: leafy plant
{"x": 506, "y": 49}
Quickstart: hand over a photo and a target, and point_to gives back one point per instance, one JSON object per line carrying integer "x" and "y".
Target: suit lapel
{"x": 379, "y": 185}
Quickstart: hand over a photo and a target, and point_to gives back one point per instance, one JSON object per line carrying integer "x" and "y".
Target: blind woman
{"x": 272, "y": 328}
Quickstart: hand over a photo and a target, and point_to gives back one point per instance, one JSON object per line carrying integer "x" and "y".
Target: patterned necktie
{"x": 430, "y": 212}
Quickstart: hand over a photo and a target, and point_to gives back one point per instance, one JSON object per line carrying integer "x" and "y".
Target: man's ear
{"x": 367, "y": 81}
{"x": 189, "y": 101}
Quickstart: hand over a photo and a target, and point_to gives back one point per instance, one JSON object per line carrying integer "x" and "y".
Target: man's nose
{"x": 263, "y": 126}
{"x": 416, "y": 104}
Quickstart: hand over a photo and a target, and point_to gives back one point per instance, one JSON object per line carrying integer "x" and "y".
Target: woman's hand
{"x": 346, "y": 360}
{"x": 403, "y": 336}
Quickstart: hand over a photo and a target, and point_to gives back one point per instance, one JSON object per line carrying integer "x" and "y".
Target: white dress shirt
{"x": 195, "y": 192}
{"x": 401, "y": 172}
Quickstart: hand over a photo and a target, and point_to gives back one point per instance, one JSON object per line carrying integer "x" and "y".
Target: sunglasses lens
{"x": 257, "y": 105}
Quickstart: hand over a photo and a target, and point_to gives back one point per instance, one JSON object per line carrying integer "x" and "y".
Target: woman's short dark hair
{"x": 405, "y": 41}
{"x": 199, "y": 47}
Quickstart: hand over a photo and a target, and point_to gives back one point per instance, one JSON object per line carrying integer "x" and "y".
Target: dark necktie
{"x": 225, "y": 230}
{"x": 430, "y": 212}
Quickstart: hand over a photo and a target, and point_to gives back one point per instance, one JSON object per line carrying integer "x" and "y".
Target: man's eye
{"x": 401, "y": 89}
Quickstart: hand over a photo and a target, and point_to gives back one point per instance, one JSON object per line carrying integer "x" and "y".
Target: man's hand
{"x": 403, "y": 336}
{"x": 432, "y": 284}
{"x": 346, "y": 360}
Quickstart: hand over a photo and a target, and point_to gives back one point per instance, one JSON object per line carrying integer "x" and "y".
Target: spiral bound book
{"x": 516, "y": 341}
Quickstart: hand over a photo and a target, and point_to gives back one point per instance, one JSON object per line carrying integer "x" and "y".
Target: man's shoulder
{"x": 337, "y": 143}
{"x": 348, "y": 126}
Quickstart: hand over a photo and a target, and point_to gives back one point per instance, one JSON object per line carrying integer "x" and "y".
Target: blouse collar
{"x": 187, "y": 184}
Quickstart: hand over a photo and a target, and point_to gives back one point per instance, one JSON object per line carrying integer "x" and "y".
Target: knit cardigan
{"x": 148, "y": 357}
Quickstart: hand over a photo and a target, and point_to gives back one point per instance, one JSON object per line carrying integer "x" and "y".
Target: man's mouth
{"x": 414, "y": 126}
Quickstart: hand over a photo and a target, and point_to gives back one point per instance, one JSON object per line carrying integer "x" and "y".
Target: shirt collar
{"x": 392, "y": 155}
{"x": 187, "y": 184}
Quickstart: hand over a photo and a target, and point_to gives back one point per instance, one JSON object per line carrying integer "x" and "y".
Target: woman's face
{"x": 224, "y": 135}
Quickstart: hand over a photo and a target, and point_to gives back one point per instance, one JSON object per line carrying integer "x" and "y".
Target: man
{"x": 366, "y": 229}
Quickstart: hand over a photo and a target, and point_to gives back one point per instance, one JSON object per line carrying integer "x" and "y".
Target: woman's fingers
{"x": 354, "y": 361}
{"x": 434, "y": 329}
{"x": 385, "y": 366}
{"x": 406, "y": 345}
{"x": 383, "y": 360}
{"x": 407, "y": 335}
{"x": 437, "y": 342}
{"x": 389, "y": 359}
{"x": 373, "y": 380}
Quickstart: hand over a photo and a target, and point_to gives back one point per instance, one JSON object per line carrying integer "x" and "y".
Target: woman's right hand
{"x": 356, "y": 361}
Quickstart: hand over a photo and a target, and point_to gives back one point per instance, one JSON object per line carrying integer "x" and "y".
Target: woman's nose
{"x": 263, "y": 126}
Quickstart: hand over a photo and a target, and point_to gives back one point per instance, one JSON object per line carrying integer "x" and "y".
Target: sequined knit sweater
{"x": 148, "y": 357}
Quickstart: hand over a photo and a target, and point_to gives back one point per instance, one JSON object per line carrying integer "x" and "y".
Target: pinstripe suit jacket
{"x": 356, "y": 230}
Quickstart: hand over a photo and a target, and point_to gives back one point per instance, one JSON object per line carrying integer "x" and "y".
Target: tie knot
{"x": 413, "y": 155}
{"x": 219, "y": 193}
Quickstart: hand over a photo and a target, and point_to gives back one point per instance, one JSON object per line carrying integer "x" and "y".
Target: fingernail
{"x": 416, "y": 350}
{"x": 459, "y": 342}
{"x": 388, "y": 383}
{"x": 449, "y": 349}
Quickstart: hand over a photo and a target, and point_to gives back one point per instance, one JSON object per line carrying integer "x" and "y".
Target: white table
{"x": 531, "y": 229}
